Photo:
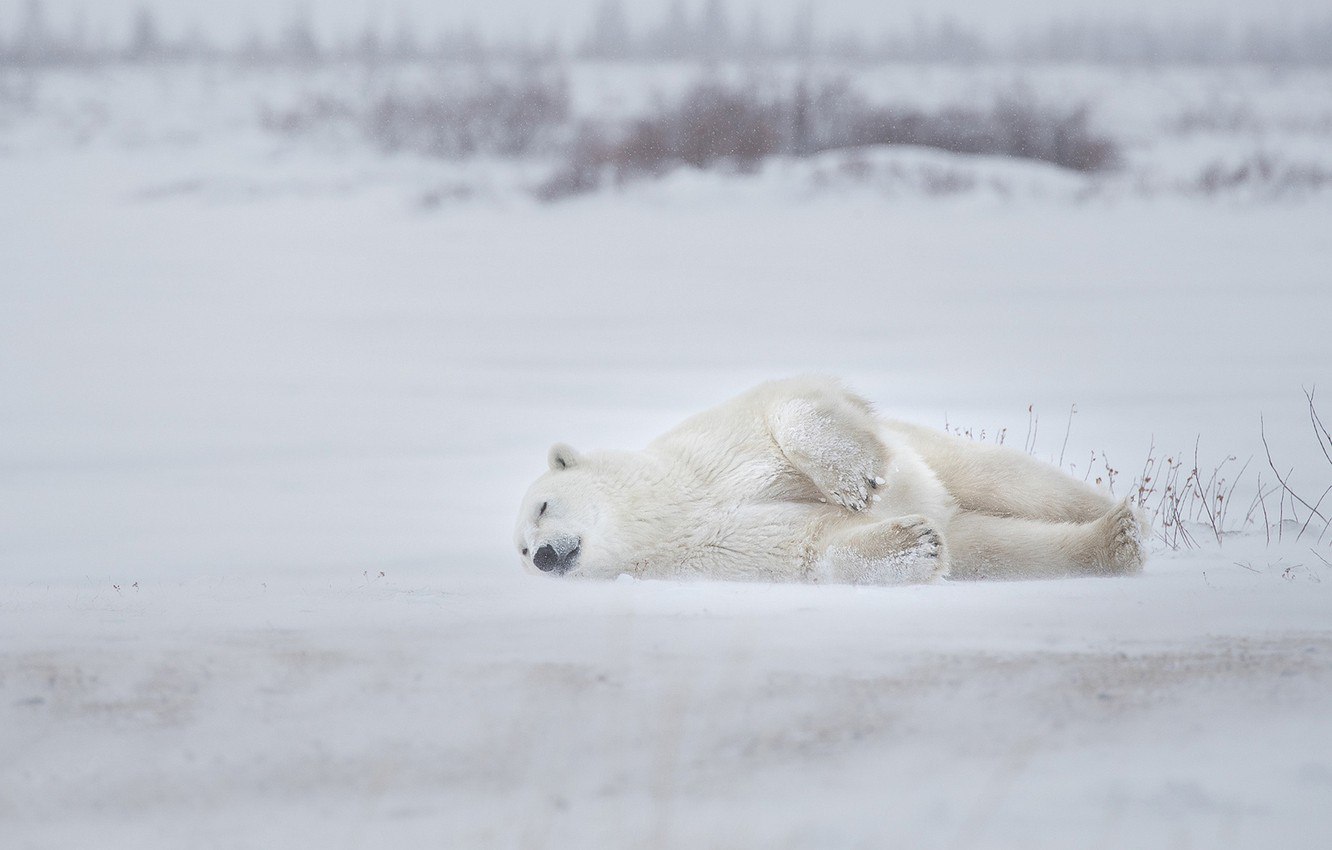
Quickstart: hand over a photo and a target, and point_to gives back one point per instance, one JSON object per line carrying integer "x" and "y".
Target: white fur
{"x": 798, "y": 480}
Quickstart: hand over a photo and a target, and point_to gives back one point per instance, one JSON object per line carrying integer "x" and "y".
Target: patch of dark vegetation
{"x": 712, "y": 126}
{"x": 737, "y": 128}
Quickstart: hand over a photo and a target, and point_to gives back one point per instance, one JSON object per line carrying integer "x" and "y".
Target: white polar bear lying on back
{"x": 798, "y": 480}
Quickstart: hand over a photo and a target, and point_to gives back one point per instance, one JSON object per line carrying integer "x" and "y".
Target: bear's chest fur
{"x": 742, "y": 515}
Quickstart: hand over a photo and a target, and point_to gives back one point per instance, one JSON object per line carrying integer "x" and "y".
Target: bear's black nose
{"x": 548, "y": 559}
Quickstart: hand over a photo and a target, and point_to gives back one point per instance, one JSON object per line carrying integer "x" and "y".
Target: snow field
{"x": 240, "y": 378}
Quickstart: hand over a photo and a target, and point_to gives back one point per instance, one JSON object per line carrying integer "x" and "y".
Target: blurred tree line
{"x": 705, "y": 31}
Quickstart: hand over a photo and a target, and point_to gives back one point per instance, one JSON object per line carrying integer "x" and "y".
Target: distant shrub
{"x": 500, "y": 117}
{"x": 1221, "y": 118}
{"x": 503, "y": 118}
{"x": 741, "y": 126}
{"x": 1264, "y": 174}
{"x": 314, "y": 112}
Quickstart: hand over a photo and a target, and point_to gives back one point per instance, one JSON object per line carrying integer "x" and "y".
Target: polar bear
{"x": 799, "y": 480}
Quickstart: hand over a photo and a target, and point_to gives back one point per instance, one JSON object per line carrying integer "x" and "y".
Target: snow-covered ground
{"x": 265, "y": 418}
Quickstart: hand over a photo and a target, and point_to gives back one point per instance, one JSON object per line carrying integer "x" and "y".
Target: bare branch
{"x": 1314, "y": 512}
{"x": 1295, "y": 497}
{"x": 1320, "y": 430}
{"x": 1267, "y": 523}
{"x": 1067, "y": 430}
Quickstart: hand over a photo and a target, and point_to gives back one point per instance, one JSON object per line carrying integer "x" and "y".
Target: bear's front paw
{"x": 917, "y": 537}
{"x": 904, "y": 550}
{"x": 837, "y": 446}
{"x": 855, "y": 492}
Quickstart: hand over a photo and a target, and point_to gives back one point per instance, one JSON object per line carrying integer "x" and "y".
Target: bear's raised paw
{"x": 855, "y": 493}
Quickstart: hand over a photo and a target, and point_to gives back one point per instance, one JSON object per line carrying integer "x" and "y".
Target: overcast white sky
{"x": 230, "y": 18}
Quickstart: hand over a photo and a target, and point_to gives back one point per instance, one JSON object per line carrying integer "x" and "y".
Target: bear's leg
{"x": 904, "y": 550}
{"x": 1002, "y": 481}
{"x": 835, "y": 444}
{"x": 990, "y": 547}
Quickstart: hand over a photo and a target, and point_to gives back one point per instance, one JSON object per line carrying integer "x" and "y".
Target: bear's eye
{"x": 524, "y": 553}
{"x": 542, "y": 512}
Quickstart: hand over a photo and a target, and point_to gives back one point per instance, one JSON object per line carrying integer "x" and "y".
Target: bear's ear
{"x": 562, "y": 456}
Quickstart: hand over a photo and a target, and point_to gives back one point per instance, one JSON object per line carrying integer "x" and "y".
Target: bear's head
{"x": 583, "y": 516}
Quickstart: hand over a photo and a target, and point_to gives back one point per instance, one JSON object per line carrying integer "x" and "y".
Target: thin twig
{"x": 1267, "y": 523}
{"x": 1068, "y": 429}
{"x": 1262, "y": 429}
{"x": 1148, "y": 467}
{"x": 1202, "y": 495}
{"x": 1318, "y": 426}
{"x": 1225, "y": 507}
{"x": 1317, "y": 505}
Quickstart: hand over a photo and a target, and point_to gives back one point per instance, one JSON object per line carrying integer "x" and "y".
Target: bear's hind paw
{"x": 1125, "y": 547}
